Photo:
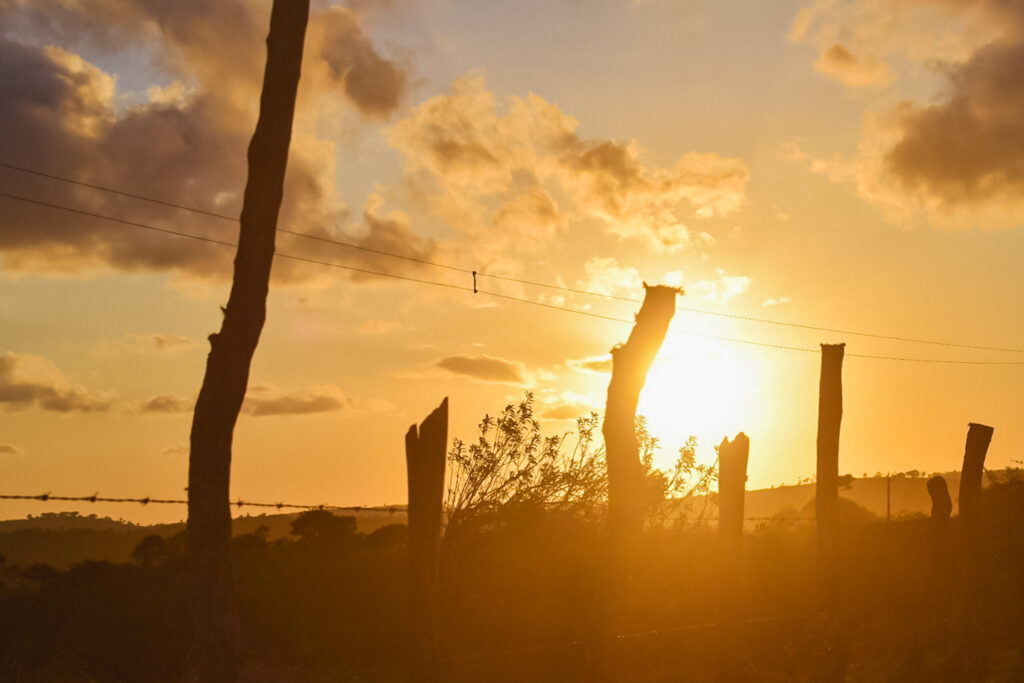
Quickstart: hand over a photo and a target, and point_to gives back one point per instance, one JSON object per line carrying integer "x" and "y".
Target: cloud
{"x": 966, "y": 153}
{"x": 268, "y": 400}
{"x": 10, "y": 449}
{"x": 484, "y": 368}
{"x": 493, "y": 163}
{"x": 375, "y": 85}
{"x": 595, "y": 364}
{"x": 378, "y": 326}
{"x": 567, "y": 406}
{"x": 182, "y": 139}
{"x": 841, "y": 64}
{"x": 175, "y": 451}
{"x": 722, "y": 289}
{"x": 165, "y": 405}
{"x": 604, "y": 275}
{"x": 776, "y": 301}
{"x": 952, "y": 157}
{"x": 33, "y": 382}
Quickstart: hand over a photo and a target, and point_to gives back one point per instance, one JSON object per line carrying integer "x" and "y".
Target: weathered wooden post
{"x": 425, "y": 453}
{"x": 975, "y": 633}
{"x": 630, "y": 364}
{"x": 978, "y": 438}
{"x": 732, "y": 479}
{"x": 938, "y": 526}
{"x": 216, "y": 654}
{"x": 826, "y": 503}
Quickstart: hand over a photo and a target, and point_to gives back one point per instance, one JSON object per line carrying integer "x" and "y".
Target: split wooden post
{"x": 732, "y": 479}
{"x": 425, "y": 453}
{"x": 630, "y": 364}
{"x": 216, "y": 654}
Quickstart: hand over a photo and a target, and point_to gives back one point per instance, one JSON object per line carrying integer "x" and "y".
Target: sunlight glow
{"x": 696, "y": 387}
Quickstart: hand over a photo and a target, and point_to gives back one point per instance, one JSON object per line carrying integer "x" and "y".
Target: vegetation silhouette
{"x": 328, "y": 601}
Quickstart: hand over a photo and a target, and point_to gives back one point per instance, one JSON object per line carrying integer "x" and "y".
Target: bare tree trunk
{"x": 216, "y": 653}
{"x": 832, "y": 666}
{"x": 425, "y": 454}
{"x": 630, "y": 364}
{"x": 732, "y": 480}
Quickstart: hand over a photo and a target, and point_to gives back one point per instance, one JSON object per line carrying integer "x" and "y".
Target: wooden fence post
{"x": 425, "y": 454}
{"x": 732, "y": 479}
{"x": 826, "y": 503}
{"x": 975, "y": 633}
{"x": 978, "y": 438}
{"x": 216, "y": 654}
{"x": 942, "y": 508}
{"x": 630, "y": 364}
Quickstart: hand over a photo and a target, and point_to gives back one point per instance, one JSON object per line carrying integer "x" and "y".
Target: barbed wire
{"x": 238, "y": 503}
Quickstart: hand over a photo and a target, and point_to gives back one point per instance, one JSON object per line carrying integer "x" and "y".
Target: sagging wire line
{"x": 476, "y": 290}
{"x": 239, "y": 503}
{"x": 532, "y": 283}
{"x": 225, "y": 243}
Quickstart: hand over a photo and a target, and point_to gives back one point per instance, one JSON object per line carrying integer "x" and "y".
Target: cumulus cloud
{"x": 165, "y": 405}
{"x": 953, "y": 157}
{"x": 493, "y": 162}
{"x": 484, "y": 368}
{"x": 604, "y": 275}
{"x": 34, "y": 382}
{"x": 722, "y": 289}
{"x": 265, "y": 400}
{"x": 376, "y": 85}
{"x": 837, "y": 61}
{"x": 184, "y": 142}
{"x": 567, "y": 406}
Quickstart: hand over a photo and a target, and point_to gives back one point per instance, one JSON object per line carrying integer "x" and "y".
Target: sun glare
{"x": 700, "y": 388}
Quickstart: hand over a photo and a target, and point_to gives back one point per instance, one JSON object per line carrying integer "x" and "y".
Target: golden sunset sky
{"x": 848, "y": 164}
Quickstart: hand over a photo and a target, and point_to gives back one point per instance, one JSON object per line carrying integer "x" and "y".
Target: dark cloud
{"x": 10, "y": 449}
{"x": 487, "y": 368}
{"x": 166, "y": 405}
{"x": 374, "y": 84}
{"x": 187, "y": 144}
{"x": 267, "y": 400}
{"x": 968, "y": 149}
{"x": 33, "y": 382}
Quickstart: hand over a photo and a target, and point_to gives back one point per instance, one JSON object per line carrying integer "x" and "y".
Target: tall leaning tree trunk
{"x": 630, "y": 364}
{"x": 216, "y": 654}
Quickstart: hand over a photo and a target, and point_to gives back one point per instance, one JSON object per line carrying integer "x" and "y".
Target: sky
{"x": 855, "y": 165}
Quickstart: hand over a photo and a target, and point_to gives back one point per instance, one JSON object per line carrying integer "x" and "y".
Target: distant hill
{"x": 61, "y": 539}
